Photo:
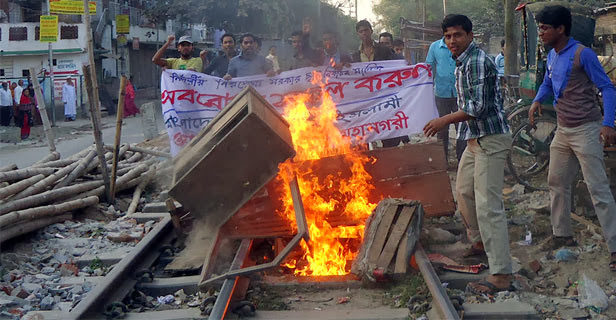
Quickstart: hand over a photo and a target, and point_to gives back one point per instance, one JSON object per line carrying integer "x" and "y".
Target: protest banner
{"x": 375, "y": 100}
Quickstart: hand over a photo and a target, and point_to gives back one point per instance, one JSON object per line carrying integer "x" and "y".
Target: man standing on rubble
{"x": 572, "y": 75}
{"x": 248, "y": 62}
{"x": 480, "y": 179}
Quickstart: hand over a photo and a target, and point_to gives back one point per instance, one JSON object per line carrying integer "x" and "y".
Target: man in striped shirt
{"x": 480, "y": 176}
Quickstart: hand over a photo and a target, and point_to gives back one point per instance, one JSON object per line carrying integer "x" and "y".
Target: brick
{"x": 535, "y": 265}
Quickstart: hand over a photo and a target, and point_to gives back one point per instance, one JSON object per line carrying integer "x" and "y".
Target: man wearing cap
{"x": 185, "y": 61}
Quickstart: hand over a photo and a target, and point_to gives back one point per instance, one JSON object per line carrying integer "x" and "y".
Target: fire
{"x": 315, "y": 136}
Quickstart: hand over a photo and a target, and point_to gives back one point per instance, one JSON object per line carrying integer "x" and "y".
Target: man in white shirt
{"x": 273, "y": 57}
{"x": 70, "y": 100}
{"x": 18, "y": 90}
{"x": 6, "y": 104}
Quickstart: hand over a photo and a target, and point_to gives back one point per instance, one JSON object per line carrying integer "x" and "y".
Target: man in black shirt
{"x": 220, "y": 64}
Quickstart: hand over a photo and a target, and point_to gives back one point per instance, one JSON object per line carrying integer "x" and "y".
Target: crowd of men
{"x": 467, "y": 92}
{"x": 248, "y": 61}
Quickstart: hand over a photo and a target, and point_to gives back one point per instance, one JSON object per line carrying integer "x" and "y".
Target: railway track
{"x": 136, "y": 274}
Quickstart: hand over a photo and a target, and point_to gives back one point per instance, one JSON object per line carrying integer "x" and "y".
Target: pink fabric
{"x": 130, "y": 108}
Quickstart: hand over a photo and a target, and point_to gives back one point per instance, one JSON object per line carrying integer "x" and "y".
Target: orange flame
{"x": 314, "y": 137}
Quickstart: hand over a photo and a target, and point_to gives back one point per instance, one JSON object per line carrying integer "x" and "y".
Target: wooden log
{"x": 118, "y": 136}
{"x": 55, "y": 164}
{"x": 40, "y": 100}
{"x": 89, "y": 72}
{"x": 124, "y": 182}
{"x": 10, "y": 167}
{"x": 45, "y": 183}
{"x": 121, "y": 171}
{"x": 139, "y": 189}
{"x": 25, "y": 173}
{"x": 19, "y": 186}
{"x": 45, "y": 211}
{"x": 135, "y": 157}
{"x": 94, "y": 162}
{"x": 50, "y": 157}
{"x": 23, "y": 228}
{"x": 81, "y": 153}
{"x": 150, "y": 151}
{"x": 48, "y": 196}
{"x": 78, "y": 171}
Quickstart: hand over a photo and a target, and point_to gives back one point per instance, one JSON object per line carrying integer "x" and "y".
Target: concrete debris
{"x": 36, "y": 280}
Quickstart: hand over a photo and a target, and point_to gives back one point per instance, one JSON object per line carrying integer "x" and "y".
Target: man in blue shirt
{"x": 572, "y": 75}
{"x": 500, "y": 62}
{"x": 443, "y": 68}
{"x": 248, "y": 62}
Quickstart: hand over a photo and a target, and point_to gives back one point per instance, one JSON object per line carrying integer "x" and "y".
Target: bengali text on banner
{"x": 375, "y": 100}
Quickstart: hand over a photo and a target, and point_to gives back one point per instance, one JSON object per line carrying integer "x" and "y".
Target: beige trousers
{"x": 479, "y": 189}
{"x": 581, "y": 145}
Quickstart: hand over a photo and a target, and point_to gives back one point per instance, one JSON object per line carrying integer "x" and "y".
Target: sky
{"x": 364, "y": 10}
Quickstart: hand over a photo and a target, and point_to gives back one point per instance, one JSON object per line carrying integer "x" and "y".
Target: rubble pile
{"x": 58, "y": 266}
{"x": 49, "y": 190}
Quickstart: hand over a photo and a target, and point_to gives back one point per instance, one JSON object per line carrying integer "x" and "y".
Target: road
{"x": 24, "y": 156}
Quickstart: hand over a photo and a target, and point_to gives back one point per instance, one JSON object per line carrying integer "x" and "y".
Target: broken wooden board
{"x": 393, "y": 221}
{"x": 227, "y": 162}
{"x": 397, "y": 232}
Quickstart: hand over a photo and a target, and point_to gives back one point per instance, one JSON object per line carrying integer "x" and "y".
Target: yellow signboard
{"x": 70, "y": 6}
{"x": 122, "y": 24}
{"x": 49, "y": 29}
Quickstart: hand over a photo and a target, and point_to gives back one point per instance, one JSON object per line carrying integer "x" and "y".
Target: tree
{"x": 512, "y": 65}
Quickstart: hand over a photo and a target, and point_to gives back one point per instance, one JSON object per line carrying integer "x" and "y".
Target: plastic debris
{"x": 166, "y": 299}
{"x": 565, "y": 255}
{"x": 591, "y": 295}
{"x": 342, "y": 300}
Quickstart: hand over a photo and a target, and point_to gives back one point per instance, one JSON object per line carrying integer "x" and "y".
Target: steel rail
{"x": 440, "y": 298}
{"x": 120, "y": 280}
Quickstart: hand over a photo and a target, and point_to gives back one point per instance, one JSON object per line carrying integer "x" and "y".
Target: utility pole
{"x": 444, "y": 8}
{"x": 52, "y": 85}
{"x": 356, "y": 16}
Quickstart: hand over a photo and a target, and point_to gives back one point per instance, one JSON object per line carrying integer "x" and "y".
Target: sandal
{"x": 555, "y": 242}
{"x": 472, "y": 287}
{"x": 474, "y": 252}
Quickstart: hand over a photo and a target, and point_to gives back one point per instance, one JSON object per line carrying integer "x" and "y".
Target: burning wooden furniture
{"x": 340, "y": 187}
{"x": 213, "y": 179}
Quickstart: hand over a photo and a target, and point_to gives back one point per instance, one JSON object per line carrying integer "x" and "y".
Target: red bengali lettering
{"x": 181, "y": 139}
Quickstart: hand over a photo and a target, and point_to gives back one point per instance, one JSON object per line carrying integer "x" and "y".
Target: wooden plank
{"x": 432, "y": 190}
{"x": 402, "y": 261}
{"x": 381, "y": 234}
{"x": 394, "y": 238}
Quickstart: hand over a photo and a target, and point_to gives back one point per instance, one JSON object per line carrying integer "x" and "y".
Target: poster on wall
{"x": 70, "y": 7}
{"x": 49, "y": 29}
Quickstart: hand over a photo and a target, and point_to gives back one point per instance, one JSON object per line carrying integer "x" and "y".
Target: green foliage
{"x": 271, "y": 18}
{"x": 487, "y": 15}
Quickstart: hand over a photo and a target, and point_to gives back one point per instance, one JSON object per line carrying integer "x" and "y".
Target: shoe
{"x": 554, "y": 243}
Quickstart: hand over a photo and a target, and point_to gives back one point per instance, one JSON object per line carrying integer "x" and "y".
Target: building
{"x": 130, "y": 54}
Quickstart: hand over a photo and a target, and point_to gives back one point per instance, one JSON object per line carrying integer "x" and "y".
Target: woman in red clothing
{"x": 24, "y": 116}
{"x": 130, "y": 109}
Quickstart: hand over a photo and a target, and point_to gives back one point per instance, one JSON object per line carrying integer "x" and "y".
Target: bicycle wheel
{"x": 530, "y": 152}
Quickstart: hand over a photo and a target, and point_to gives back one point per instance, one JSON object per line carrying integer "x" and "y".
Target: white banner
{"x": 375, "y": 100}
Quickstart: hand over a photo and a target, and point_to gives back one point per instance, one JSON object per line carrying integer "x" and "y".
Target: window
{"x": 1, "y": 72}
{"x": 69, "y": 32}
{"x": 25, "y": 73}
{"x": 37, "y": 33}
{"x": 18, "y": 33}
{"x": 54, "y": 62}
